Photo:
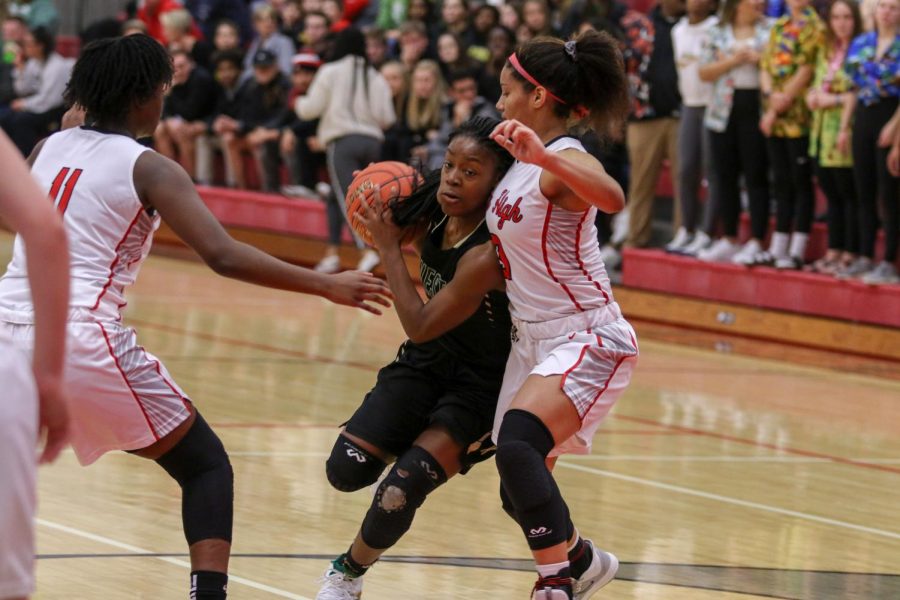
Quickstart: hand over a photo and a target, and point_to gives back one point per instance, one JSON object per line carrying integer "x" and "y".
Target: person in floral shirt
{"x": 730, "y": 61}
{"x": 787, "y": 70}
{"x": 873, "y": 64}
{"x": 828, "y": 143}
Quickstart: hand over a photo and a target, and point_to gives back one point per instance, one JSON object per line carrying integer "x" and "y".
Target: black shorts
{"x": 426, "y": 386}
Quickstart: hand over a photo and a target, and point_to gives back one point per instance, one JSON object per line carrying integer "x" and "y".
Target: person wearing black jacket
{"x": 186, "y": 108}
{"x": 262, "y": 113}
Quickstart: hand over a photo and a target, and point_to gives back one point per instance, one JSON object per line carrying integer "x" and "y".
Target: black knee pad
{"x": 522, "y": 448}
{"x": 200, "y": 465}
{"x": 350, "y": 467}
{"x": 415, "y": 475}
{"x": 506, "y": 504}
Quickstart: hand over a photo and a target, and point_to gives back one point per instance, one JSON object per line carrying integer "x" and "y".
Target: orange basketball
{"x": 396, "y": 180}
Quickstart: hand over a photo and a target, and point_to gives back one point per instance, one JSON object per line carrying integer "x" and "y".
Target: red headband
{"x": 580, "y": 111}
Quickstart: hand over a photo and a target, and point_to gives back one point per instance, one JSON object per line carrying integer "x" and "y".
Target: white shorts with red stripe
{"x": 18, "y": 467}
{"x": 595, "y": 352}
{"x": 122, "y": 397}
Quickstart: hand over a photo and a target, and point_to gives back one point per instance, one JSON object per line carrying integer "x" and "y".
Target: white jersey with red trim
{"x": 550, "y": 256}
{"x": 89, "y": 176}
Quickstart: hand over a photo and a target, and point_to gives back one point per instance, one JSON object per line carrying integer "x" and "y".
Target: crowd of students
{"x": 752, "y": 105}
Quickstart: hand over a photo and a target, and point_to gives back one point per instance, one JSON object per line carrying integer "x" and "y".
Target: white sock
{"x": 798, "y": 245}
{"x": 551, "y": 570}
{"x": 778, "y": 247}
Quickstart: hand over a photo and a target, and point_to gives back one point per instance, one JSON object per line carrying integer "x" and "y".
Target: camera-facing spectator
{"x": 873, "y": 62}
{"x": 510, "y": 16}
{"x": 414, "y": 45}
{"x": 422, "y": 118}
{"x": 262, "y": 113}
{"x": 227, "y": 37}
{"x": 230, "y": 92}
{"x": 316, "y": 27}
{"x": 151, "y": 12}
{"x": 265, "y": 23}
{"x": 828, "y": 143}
{"x": 455, "y": 19}
{"x": 190, "y": 101}
{"x": 179, "y": 30}
{"x": 452, "y": 55}
{"x": 291, "y": 19}
{"x": 39, "y": 80}
{"x": 537, "y": 18}
{"x": 377, "y": 51}
{"x": 464, "y": 104}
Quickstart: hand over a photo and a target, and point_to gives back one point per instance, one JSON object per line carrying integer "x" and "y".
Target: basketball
{"x": 396, "y": 180}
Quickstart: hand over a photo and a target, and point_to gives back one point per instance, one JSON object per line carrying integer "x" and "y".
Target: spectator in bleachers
{"x": 178, "y": 29}
{"x": 189, "y": 103}
{"x": 262, "y": 114}
{"x": 738, "y": 148}
{"x": 391, "y": 14}
{"x": 829, "y": 145}
{"x": 537, "y": 18}
{"x": 291, "y": 19}
{"x": 500, "y": 44}
{"x": 455, "y": 19}
{"x": 786, "y": 69}
{"x": 227, "y": 37}
{"x": 483, "y": 21}
{"x": 150, "y": 12}
{"x": 35, "y": 13}
{"x": 601, "y": 15}
{"x": 652, "y": 134}
{"x": 39, "y": 80}
{"x": 452, "y": 56}
{"x": 230, "y": 94}
{"x": 395, "y": 147}
{"x": 422, "y": 119}
{"x": 353, "y": 102}
{"x": 510, "y": 16}
{"x": 265, "y": 23}
{"x": 376, "y": 47}
{"x": 689, "y": 37}
{"x": 301, "y": 149}
{"x": 421, "y": 11}
{"x": 315, "y": 32}
{"x": 209, "y": 13}
{"x": 893, "y": 160}
{"x": 464, "y": 104}
{"x": 873, "y": 63}
{"x": 13, "y": 37}
{"x": 413, "y": 44}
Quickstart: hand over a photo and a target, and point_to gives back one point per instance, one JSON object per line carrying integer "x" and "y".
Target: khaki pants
{"x": 649, "y": 142}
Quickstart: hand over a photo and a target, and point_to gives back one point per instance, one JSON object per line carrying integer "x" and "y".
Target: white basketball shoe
{"x": 337, "y": 586}
{"x": 601, "y": 571}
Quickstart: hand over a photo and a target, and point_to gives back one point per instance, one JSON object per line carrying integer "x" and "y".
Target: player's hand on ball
{"x": 379, "y": 220}
{"x": 520, "y": 141}
{"x": 361, "y": 290}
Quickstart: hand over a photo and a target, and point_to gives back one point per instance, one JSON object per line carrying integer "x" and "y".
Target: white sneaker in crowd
{"x": 338, "y": 586}
{"x": 329, "y": 264}
{"x": 680, "y": 241}
{"x": 857, "y": 268}
{"x": 721, "y": 251}
{"x": 602, "y": 570}
{"x": 747, "y": 253}
{"x": 323, "y": 190}
{"x": 700, "y": 242}
{"x": 620, "y": 225}
{"x": 884, "y": 273}
{"x": 369, "y": 261}
{"x": 298, "y": 191}
{"x": 789, "y": 263}
{"x": 612, "y": 258}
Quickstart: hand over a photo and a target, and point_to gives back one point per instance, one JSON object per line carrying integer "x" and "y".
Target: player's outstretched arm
{"x": 477, "y": 273}
{"x": 30, "y": 213}
{"x": 163, "y": 184}
{"x": 571, "y": 179}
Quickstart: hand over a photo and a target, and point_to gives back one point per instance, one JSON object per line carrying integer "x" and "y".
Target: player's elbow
{"x": 613, "y": 202}
{"x": 221, "y": 259}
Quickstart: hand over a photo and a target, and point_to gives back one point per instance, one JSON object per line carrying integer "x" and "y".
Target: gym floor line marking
{"x": 729, "y": 500}
{"x": 135, "y": 550}
{"x": 758, "y": 444}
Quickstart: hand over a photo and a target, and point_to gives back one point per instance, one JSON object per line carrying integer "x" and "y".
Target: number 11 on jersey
{"x": 63, "y": 177}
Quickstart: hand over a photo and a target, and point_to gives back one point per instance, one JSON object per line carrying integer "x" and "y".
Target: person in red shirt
{"x": 149, "y": 11}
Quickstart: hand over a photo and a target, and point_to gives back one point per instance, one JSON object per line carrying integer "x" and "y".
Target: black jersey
{"x": 482, "y": 340}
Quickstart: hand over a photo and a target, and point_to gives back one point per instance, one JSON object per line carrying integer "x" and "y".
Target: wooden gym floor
{"x": 719, "y": 476}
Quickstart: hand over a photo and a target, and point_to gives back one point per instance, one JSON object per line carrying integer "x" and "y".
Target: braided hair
{"x": 114, "y": 74}
{"x": 422, "y": 206}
